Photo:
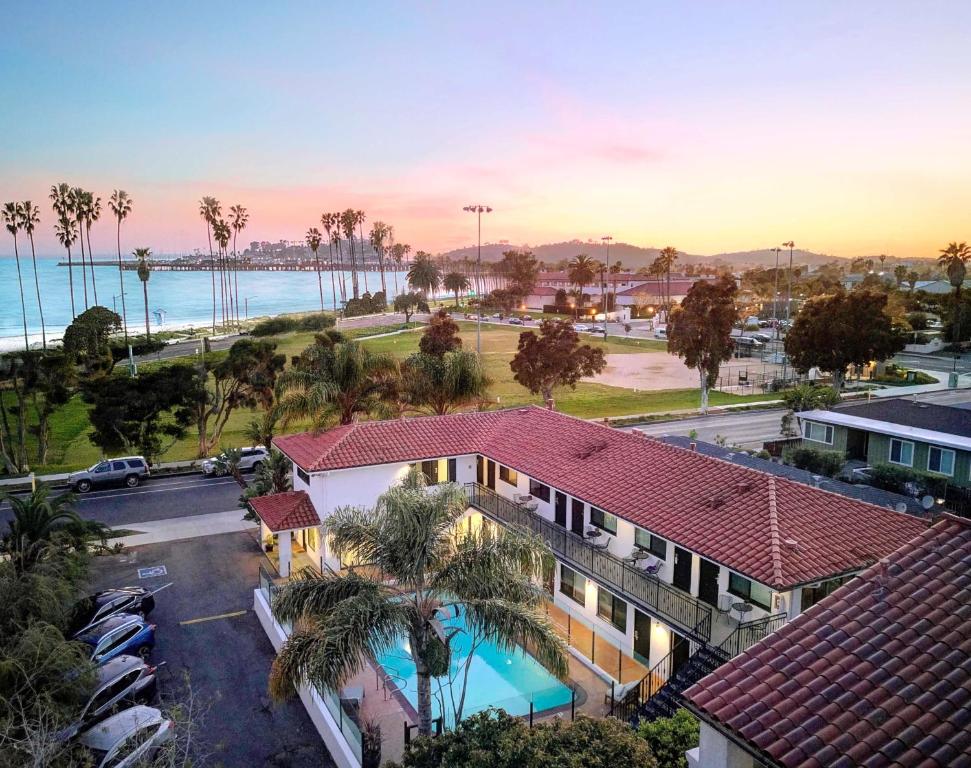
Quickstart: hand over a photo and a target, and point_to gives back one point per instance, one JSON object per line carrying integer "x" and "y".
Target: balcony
{"x": 669, "y": 604}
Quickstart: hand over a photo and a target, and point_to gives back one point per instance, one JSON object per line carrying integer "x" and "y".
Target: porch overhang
{"x": 288, "y": 511}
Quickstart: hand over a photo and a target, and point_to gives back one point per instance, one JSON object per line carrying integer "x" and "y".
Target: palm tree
{"x": 668, "y": 256}
{"x": 210, "y": 210}
{"x": 912, "y": 277}
{"x": 442, "y": 384}
{"x": 359, "y": 217}
{"x": 615, "y": 269}
{"x": 64, "y": 230}
{"x": 92, "y": 214}
{"x": 79, "y": 208}
{"x": 221, "y": 232}
{"x": 423, "y": 275}
{"x": 144, "y": 272}
{"x": 334, "y": 380}
{"x": 329, "y": 223}
{"x": 456, "y": 282}
{"x": 380, "y": 233}
{"x": 954, "y": 259}
{"x": 581, "y": 271}
{"x": 29, "y": 219}
{"x": 238, "y": 219}
{"x": 313, "y": 243}
{"x": 347, "y": 222}
{"x": 37, "y": 518}
{"x": 12, "y": 217}
{"x": 121, "y": 205}
{"x": 900, "y": 274}
{"x": 398, "y": 253}
{"x": 412, "y": 538}
{"x": 63, "y": 202}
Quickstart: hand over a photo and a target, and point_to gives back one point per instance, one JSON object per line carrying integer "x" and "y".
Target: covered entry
{"x": 289, "y": 530}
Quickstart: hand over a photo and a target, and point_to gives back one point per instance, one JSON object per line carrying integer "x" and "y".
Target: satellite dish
{"x": 900, "y": 506}
{"x": 927, "y": 502}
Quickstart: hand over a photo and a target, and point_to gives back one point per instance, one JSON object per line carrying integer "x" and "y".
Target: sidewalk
{"x": 164, "y": 469}
{"x": 175, "y": 528}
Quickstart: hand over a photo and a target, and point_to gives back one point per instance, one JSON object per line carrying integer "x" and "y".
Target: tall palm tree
{"x": 582, "y": 272}
{"x": 668, "y": 256}
{"x": 210, "y": 210}
{"x": 348, "y": 220}
{"x": 63, "y": 202}
{"x": 455, "y": 282}
{"x": 330, "y": 223}
{"x": 615, "y": 269}
{"x": 398, "y": 253}
{"x": 222, "y": 232}
{"x": 954, "y": 259}
{"x": 413, "y": 538}
{"x": 423, "y": 275}
{"x": 359, "y": 216}
{"x": 144, "y": 272}
{"x": 380, "y": 232}
{"x": 12, "y": 217}
{"x": 92, "y": 214}
{"x": 238, "y": 219}
{"x": 64, "y": 230}
{"x": 313, "y": 243}
{"x": 79, "y": 213}
{"x": 29, "y": 219}
{"x": 37, "y": 518}
{"x": 121, "y": 204}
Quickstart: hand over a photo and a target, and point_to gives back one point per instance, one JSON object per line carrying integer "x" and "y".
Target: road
{"x": 934, "y": 362}
{"x": 157, "y": 499}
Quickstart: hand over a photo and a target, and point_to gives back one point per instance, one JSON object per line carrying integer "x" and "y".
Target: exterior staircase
{"x": 665, "y": 700}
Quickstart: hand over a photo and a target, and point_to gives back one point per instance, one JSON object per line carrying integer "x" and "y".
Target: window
{"x": 452, "y": 470}
{"x": 813, "y": 594}
{"x": 750, "y": 591}
{"x": 611, "y": 608}
{"x": 136, "y": 464}
{"x": 653, "y": 544}
{"x": 940, "y": 460}
{"x": 818, "y": 433}
{"x": 573, "y": 585}
{"x": 304, "y": 477}
{"x": 104, "y": 466}
{"x": 603, "y": 520}
{"x": 901, "y": 452}
{"x": 508, "y": 475}
{"x": 429, "y": 469}
{"x": 118, "y": 466}
{"x": 539, "y": 490}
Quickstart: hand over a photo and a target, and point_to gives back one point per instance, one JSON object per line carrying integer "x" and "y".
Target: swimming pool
{"x": 496, "y": 678}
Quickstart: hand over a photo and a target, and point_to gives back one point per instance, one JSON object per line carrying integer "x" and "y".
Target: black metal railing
{"x": 677, "y": 608}
{"x": 748, "y": 634}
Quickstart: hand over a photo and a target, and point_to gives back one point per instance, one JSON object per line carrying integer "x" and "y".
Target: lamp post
{"x": 790, "y": 245}
{"x": 603, "y": 285}
{"x": 114, "y": 302}
{"x": 775, "y": 293}
{"x": 478, "y": 210}
{"x": 246, "y": 305}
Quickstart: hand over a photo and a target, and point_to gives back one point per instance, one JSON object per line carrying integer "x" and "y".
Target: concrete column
{"x": 283, "y": 542}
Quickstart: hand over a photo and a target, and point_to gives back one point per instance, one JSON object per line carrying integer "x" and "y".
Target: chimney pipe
{"x": 549, "y": 403}
{"x": 693, "y": 446}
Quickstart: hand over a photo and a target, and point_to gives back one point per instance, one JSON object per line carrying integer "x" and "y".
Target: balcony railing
{"x": 679, "y": 609}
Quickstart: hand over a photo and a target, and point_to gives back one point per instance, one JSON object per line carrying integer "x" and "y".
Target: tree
{"x": 455, "y": 282}
{"x": 521, "y": 270}
{"x": 442, "y": 383}
{"x": 346, "y": 223}
{"x": 66, "y": 236}
{"x": 555, "y": 358}
{"x": 221, "y": 233}
{"x": 581, "y": 271}
{"x": 273, "y": 476}
{"x": 29, "y": 219}
{"x": 121, "y": 205}
{"x": 833, "y": 332}
{"x": 12, "y": 217}
{"x": 805, "y": 397}
{"x": 329, "y": 222}
{"x": 409, "y": 303}
{"x": 380, "y": 234}
{"x": 900, "y": 274}
{"x": 499, "y": 740}
{"x": 337, "y": 380}
{"x": 670, "y": 737}
{"x": 700, "y": 330}
{"x": 668, "y": 256}
{"x": 87, "y": 340}
{"x": 92, "y": 212}
{"x": 313, "y": 243}
{"x": 954, "y": 259}
{"x": 398, "y": 252}
{"x": 441, "y": 335}
{"x": 210, "y": 210}
{"x": 423, "y": 275}
{"x": 411, "y": 536}
{"x": 144, "y": 273}
{"x": 78, "y": 213}
{"x": 238, "y": 219}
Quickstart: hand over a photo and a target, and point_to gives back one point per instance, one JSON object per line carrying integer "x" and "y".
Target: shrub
{"x": 319, "y": 321}
{"x": 670, "y": 737}
{"x": 274, "y": 326}
{"x": 891, "y": 477}
{"x": 818, "y": 462}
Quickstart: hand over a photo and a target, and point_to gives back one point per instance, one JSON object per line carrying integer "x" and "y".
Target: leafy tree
{"x": 273, "y": 476}
{"x": 341, "y": 619}
{"x": 818, "y": 462}
{"x": 900, "y": 274}
{"x": 497, "y": 739}
{"x": 87, "y": 340}
{"x": 521, "y": 270}
{"x": 833, "y": 332}
{"x": 423, "y": 274}
{"x": 442, "y": 383}
{"x": 700, "y": 330}
{"x": 133, "y": 414}
{"x": 455, "y": 282}
{"x": 441, "y": 335}
{"x": 561, "y": 299}
{"x": 409, "y": 303}
{"x": 670, "y": 737}
{"x": 555, "y": 358}
{"x": 805, "y": 397}
{"x": 500, "y": 300}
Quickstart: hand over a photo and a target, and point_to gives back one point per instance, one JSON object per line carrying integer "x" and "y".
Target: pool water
{"x": 510, "y": 680}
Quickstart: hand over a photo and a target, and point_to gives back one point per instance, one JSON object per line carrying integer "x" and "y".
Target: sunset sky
{"x": 710, "y": 126}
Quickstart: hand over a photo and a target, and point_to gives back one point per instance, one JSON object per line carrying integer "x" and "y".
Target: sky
{"x": 710, "y": 126}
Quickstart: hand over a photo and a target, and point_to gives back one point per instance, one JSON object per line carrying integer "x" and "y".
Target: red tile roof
{"x": 776, "y": 531}
{"x": 285, "y": 511}
{"x": 877, "y": 674}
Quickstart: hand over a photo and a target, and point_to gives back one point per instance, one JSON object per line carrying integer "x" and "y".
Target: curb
{"x": 25, "y": 483}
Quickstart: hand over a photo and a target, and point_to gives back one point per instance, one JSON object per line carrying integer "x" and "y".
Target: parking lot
{"x": 210, "y": 640}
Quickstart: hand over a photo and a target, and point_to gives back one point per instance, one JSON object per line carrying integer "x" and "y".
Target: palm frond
{"x": 316, "y": 595}
{"x": 509, "y": 625}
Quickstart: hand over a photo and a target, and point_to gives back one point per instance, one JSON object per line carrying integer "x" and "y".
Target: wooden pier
{"x": 242, "y": 266}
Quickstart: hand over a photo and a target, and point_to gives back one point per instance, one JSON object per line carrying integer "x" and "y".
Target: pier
{"x": 242, "y": 266}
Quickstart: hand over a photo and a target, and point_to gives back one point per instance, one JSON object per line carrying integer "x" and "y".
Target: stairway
{"x": 666, "y": 700}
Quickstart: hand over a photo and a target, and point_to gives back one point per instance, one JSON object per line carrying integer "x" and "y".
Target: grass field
{"x": 71, "y": 449}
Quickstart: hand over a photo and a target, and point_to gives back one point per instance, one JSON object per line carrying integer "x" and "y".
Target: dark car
{"x": 123, "y": 679}
{"x": 125, "y": 470}
{"x": 118, "y": 634}
{"x": 101, "y": 605}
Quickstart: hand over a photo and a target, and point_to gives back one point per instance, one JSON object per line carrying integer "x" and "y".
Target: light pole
{"x": 246, "y": 305}
{"x": 603, "y": 285}
{"x": 775, "y": 293}
{"x": 114, "y": 303}
{"x": 790, "y": 245}
{"x": 478, "y": 210}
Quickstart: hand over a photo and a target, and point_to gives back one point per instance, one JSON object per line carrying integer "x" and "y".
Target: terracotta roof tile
{"x": 285, "y": 511}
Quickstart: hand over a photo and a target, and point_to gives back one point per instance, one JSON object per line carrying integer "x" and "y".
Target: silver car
{"x": 123, "y": 679}
{"x": 250, "y": 460}
{"x": 128, "y": 738}
{"x": 125, "y": 470}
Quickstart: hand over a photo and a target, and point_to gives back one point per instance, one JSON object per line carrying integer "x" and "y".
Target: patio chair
{"x": 652, "y": 566}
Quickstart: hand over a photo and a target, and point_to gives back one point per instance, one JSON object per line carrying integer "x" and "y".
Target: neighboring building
{"x": 631, "y": 288}
{"x": 877, "y": 674}
{"x": 925, "y": 437}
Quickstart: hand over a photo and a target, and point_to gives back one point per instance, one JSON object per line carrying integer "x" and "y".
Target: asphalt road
{"x": 156, "y": 499}
{"x": 223, "y": 656}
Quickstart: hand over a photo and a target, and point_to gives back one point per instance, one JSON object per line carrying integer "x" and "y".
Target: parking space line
{"x": 213, "y": 618}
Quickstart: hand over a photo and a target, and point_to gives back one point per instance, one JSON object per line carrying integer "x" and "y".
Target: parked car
{"x": 581, "y": 328}
{"x": 661, "y": 332}
{"x": 118, "y": 634}
{"x": 124, "y": 679}
{"x": 497, "y": 316}
{"x": 251, "y": 459}
{"x": 596, "y": 329}
{"x": 127, "y": 470}
{"x": 128, "y": 738}
{"x": 526, "y": 318}
{"x": 747, "y": 344}
{"x": 515, "y": 321}
{"x": 97, "y": 607}
{"x": 765, "y": 338}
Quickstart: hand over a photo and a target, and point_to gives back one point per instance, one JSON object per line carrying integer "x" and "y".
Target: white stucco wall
{"x": 715, "y": 751}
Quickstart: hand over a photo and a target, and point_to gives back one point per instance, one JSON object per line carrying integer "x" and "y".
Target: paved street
{"x": 210, "y": 640}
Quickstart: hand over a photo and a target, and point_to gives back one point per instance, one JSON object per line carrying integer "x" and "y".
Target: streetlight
{"x": 790, "y": 245}
{"x": 775, "y": 293}
{"x": 603, "y": 285}
{"x": 114, "y": 303}
{"x": 246, "y": 305}
{"x": 478, "y": 210}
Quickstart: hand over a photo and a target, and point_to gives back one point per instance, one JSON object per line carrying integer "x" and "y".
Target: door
{"x": 118, "y": 471}
{"x": 680, "y": 651}
{"x": 480, "y": 470}
{"x": 708, "y": 582}
{"x": 560, "y": 509}
{"x": 576, "y": 519}
{"x": 491, "y": 474}
{"x": 682, "y": 569}
{"x": 642, "y": 637}
{"x": 102, "y": 473}
{"x": 856, "y": 444}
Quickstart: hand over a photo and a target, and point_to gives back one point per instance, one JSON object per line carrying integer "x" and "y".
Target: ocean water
{"x": 185, "y": 298}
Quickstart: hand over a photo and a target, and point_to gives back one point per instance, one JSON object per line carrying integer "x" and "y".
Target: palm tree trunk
{"x": 384, "y": 288}
{"x": 333, "y": 279}
{"x": 340, "y": 263}
{"x": 360, "y": 229}
{"x": 397, "y": 267}
{"x": 236, "y": 279}
{"x": 20, "y": 282}
{"x": 148, "y": 333}
{"x": 354, "y": 285}
{"x": 320, "y": 282}
{"x": 40, "y": 306}
{"x": 121, "y": 281}
{"x": 94, "y": 285}
{"x": 212, "y": 272}
{"x": 704, "y": 391}
{"x": 84, "y": 267}
{"x": 70, "y": 280}
{"x": 424, "y": 696}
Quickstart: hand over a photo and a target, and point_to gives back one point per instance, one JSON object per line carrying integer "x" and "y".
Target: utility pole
{"x": 790, "y": 245}
{"x": 775, "y": 293}
{"x": 478, "y": 210}
{"x": 603, "y": 285}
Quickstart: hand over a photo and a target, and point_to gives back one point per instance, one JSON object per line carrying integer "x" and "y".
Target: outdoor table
{"x": 593, "y": 533}
{"x": 742, "y": 609}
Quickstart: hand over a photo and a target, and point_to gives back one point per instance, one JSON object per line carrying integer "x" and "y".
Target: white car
{"x": 581, "y": 328}
{"x": 661, "y": 332}
{"x": 128, "y": 738}
{"x": 251, "y": 459}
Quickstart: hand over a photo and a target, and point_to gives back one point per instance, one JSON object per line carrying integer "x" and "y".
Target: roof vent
{"x": 818, "y": 481}
{"x": 743, "y": 485}
{"x": 716, "y": 501}
{"x": 693, "y": 445}
{"x": 793, "y": 544}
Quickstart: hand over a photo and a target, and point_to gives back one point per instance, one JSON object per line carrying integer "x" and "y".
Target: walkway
{"x": 175, "y": 528}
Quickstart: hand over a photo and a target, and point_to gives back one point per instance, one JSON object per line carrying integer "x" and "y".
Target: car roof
{"x": 109, "y": 732}
{"x": 102, "y": 628}
{"x": 116, "y": 667}
{"x": 111, "y": 594}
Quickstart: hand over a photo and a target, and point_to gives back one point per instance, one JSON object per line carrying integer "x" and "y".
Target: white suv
{"x": 251, "y": 460}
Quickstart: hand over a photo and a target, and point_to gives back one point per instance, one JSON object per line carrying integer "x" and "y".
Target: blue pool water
{"x": 496, "y": 678}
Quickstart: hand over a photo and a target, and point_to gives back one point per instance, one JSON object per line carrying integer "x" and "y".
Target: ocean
{"x": 183, "y": 298}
